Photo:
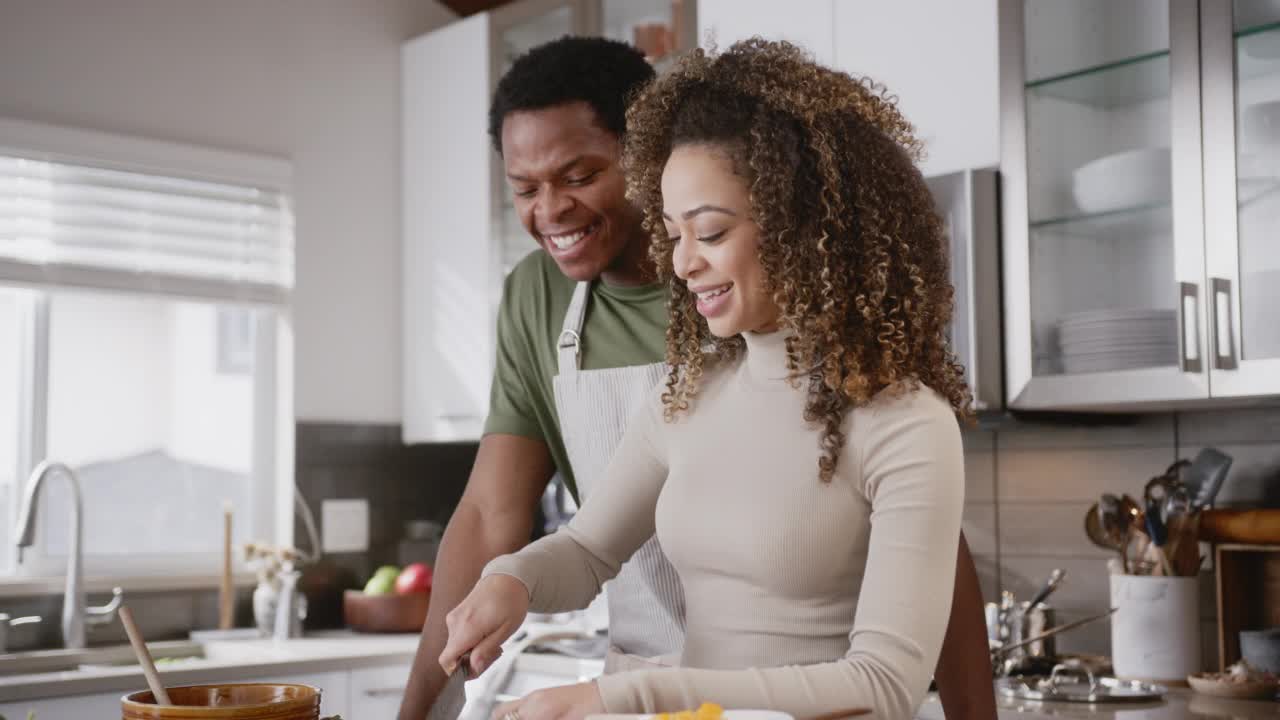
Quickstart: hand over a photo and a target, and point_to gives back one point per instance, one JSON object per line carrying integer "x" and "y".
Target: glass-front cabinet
{"x": 1240, "y": 43}
{"x": 1114, "y": 297}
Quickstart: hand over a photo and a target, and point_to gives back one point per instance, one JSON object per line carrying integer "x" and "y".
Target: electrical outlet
{"x": 344, "y": 525}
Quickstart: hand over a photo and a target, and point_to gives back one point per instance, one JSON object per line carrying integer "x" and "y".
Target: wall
{"x": 1030, "y": 482}
{"x": 313, "y": 81}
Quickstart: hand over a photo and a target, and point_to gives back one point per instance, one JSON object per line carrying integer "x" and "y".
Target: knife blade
{"x": 453, "y": 697}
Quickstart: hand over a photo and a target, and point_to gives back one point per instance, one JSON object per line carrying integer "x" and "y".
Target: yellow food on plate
{"x": 705, "y": 711}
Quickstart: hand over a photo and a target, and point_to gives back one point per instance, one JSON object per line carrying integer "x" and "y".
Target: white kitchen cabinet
{"x": 102, "y": 705}
{"x": 938, "y": 57}
{"x": 1240, "y": 68}
{"x": 460, "y": 234}
{"x": 1135, "y": 269}
{"x": 377, "y": 692}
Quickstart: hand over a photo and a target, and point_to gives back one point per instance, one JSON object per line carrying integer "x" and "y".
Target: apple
{"x": 383, "y": 581}
{"x": 415, "y": 578}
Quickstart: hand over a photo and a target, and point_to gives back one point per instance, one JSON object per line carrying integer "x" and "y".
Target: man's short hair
{"x": 600, "y": 72}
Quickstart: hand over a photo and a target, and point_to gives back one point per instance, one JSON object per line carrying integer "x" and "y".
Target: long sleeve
{"x": 906, "y": 460}
{"x": 565, "y": 570}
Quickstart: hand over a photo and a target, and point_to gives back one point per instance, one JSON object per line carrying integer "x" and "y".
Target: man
{"x": 580, "y": 336}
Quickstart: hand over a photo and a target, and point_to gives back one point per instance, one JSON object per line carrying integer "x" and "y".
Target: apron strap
{"x": 569, "y": 344}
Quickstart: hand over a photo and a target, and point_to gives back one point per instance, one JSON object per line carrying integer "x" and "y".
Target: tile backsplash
{"x": 1030, "y": 481}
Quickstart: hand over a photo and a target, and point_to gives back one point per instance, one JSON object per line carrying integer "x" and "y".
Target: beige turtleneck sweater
{"x": 802, "y": 596}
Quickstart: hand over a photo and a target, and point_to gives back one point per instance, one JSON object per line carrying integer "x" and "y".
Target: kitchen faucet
{"x": 75, "y": 614}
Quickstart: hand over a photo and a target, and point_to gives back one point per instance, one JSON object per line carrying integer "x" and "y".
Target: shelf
{"x": 1144, "y": 221}
{"x": 1134, "y": 80}
{"x": 1257, "y": 29}
{"x": 1258, "y": 51}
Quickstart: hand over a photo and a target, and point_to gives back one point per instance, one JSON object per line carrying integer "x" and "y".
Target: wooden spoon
{"x": 144, "y": 657}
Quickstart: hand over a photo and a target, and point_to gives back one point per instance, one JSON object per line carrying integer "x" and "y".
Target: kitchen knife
{"x": 451, "y": 700}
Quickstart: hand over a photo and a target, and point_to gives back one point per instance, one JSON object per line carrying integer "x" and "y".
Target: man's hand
{"x": 483, "y": 621}
{"x": 494, "y": 517}
{"x": 570, "y": 702}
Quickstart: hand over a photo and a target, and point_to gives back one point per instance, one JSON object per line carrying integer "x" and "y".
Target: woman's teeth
{"x": 707, "y": 295}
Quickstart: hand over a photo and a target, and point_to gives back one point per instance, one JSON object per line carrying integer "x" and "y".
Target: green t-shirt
{"x": 624, "y": 326}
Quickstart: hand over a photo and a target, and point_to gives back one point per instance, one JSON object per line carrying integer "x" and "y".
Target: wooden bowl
{"x": 240, "y": 701}
{"x": 385, "y": 613}
{"x": 1211, "y": 684}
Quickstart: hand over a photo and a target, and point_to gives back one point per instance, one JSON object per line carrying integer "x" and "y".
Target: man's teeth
{"x": 707, "y": 295}
{"x": 563, "y": 242}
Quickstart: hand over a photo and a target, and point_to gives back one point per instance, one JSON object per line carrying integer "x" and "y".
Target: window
{"x": 144, "y": 332}
{"x": 10, "y": 403}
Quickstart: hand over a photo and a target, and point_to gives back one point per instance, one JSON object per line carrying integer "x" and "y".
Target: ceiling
{"x": 470, "y": 7}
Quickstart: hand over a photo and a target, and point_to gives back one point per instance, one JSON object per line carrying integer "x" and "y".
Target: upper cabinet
{"x": 806, "y": 23}
{"x": 1128, "y": 259}
{"x": 1240, "y": 47}
{"x": 460, "y": 233}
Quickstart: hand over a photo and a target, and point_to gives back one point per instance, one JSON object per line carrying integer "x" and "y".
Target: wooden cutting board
{"x": 1250, "y": 527}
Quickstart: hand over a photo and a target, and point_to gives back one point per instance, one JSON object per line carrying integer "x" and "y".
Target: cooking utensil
{"x": 1093, "y": 690}
{"x": 144, "y": 657}
{"x": 1055, "y": 579}
{"x": 1159, "y": 534}
{"x": 453, "y": 696}
{"x": 1052, "y": 631}
{"x": 1106, "y": 529}
{"x": 1205, "y": 477}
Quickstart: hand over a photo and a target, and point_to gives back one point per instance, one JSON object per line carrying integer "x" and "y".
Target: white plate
{"x": 1111, "y": 316}
{"x": 726, "y": 715}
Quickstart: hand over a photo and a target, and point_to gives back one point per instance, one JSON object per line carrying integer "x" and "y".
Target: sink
{"x": 39, "y": 661}
{"x": 88, "y": 659}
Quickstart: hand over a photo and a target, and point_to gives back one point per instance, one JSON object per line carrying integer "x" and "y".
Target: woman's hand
{"x": 494, "y": 609}
{"x": 570, "y": 702}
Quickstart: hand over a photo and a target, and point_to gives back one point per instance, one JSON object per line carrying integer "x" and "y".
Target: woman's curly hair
{"x": 853, "y": 251}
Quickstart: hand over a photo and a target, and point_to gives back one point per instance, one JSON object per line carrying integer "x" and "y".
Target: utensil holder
{"x": 1155, "y": 632}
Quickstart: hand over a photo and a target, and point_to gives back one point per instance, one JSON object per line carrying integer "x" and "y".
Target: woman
{"x": 805, "y": 476}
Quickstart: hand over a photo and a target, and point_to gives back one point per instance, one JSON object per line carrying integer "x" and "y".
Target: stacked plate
{"x": 1108, "y": 340}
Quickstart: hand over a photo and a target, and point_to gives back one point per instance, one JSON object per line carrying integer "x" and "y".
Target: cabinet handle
{"x": 1189, "y": 328}
{"x": 1224, "y": 346}
{"x": 384, "y": 692}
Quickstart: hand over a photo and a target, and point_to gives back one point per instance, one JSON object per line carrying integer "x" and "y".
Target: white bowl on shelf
{"x": 1130, "y": 179}
{"x": 1260, "y": 295}
{"x": 1260, "y": 124}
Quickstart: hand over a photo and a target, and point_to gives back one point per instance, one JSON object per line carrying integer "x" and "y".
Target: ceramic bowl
{"x": 1261, "y": 649}
{"x": 227, "y": 701}
{"x": 1260, "y": 124}
{"x": 1211, "y": 684}
{"x": 1124, "y": 180}
{"x": 385, "y": 613}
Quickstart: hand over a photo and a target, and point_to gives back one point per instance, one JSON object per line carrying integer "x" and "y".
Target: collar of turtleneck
{"x": 766, "y": 357}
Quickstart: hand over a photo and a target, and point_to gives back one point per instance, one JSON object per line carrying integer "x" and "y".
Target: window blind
{"x": 71, "y": 224}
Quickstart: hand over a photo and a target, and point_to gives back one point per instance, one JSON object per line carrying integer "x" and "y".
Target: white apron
{"x": 646, "y": 600}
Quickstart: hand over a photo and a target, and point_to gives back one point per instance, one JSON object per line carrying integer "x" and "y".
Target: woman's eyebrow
{"x": 702, "y": 209}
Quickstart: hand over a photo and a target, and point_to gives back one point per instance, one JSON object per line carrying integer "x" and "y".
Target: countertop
{"x": 249, "y": 660}
{"x": 241, "y": 660}
{"x": 225, "y": 661}
{"x": 1178, "y": 704}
